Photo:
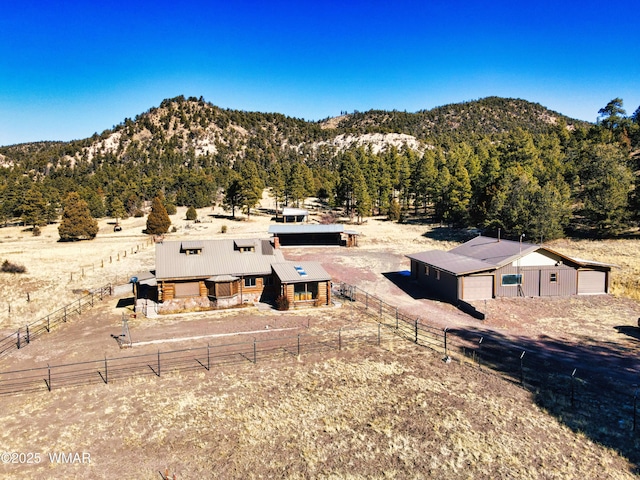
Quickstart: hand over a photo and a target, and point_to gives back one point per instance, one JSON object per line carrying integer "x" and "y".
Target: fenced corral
{"x": 560, "y": 382}
{"x": 107, "y": 370}
{"x": 25, "y": 335}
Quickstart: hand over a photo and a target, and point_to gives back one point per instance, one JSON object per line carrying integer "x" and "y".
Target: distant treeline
{"x": 493, "y": 163}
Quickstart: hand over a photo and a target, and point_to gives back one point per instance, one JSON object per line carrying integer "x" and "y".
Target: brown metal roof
{"x": 484, "y": 254}
{"x": 217, "y": 257}
{"x": 451, "y": 262}
{"x": 493, "y": 251}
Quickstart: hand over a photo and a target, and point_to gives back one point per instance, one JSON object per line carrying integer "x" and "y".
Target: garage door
{"x": 477, "y": 288}
{"x": 591, "y": 282}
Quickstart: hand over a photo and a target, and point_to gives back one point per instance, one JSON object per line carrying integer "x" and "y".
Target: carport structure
{"x": 317, "y": 235}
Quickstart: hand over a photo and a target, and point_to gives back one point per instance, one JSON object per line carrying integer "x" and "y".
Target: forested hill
{"x": 488, "y": 163}
{"x": 194, "y": 125}
{"x": 469, "y": 119}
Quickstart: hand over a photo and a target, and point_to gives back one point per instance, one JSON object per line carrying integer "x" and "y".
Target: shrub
{"x": 327, "y": 219}
{"x": 191, "y": 213}
{"x": 36, "y": 231}
{"x": 395, "y": 212}
{"x": 282, "y": 303}
{"x": 171, "y": 209}
{"x": 9, "y": 267}
{"x": 223, "y": 229}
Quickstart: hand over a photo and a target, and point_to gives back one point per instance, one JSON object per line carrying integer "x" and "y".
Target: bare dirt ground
{"x": 366, "y": 412}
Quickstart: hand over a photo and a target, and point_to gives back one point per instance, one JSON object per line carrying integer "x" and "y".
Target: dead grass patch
{"x": 366, "y": 413}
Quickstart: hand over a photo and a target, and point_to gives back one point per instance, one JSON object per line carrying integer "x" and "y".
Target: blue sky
{"x": 72, "y": 68}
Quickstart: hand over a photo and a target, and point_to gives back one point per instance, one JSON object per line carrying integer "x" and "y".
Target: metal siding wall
{"x": 536, "y": 281}
{"x": 446, "y": 287}
{"x": 563, "y": 287}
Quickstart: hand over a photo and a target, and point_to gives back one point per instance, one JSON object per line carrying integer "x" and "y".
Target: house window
{"x": 426, "y": 270}
{"x": 511, "y": 279}
{"x": 553, "y": 277}
{"x": 437, "y": 274}
{"x": 250, "y": 282}
{"x": 305, "y": 291}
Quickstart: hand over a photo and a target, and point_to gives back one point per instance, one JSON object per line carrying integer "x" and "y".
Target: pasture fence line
{"x": 76, "y": 276}
{"x": 559, "y": 382}
{"x": 25, "y": 335}
{"x": 109, "y": 369}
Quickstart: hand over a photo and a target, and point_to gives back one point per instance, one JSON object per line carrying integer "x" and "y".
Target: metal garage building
{"x": 486, "y": 267}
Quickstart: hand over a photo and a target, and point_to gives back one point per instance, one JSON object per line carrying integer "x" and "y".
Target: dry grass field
{"x": 397, "y": 412}
{"x": 389, "y": 411}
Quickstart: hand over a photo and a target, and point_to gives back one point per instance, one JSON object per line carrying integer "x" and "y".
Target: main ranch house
{"x": 485, "y": 268}
{"x": 208, "y": 274}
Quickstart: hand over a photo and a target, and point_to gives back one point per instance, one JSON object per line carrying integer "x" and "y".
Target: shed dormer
{"x": 244, "y": 245}
{"x": 191, "y": 248}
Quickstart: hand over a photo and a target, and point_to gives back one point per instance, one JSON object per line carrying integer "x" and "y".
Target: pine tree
{"x": 232, "y": 198}
{"x": 77, "y": 222}
{"x": 158, "y": 221}
{"x": 251, "y": 185}
{"x": 33, "y": 207}
{"x": 607, "y": 183}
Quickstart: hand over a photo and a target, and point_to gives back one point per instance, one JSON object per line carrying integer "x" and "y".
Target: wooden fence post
{"x": 27, "y": 328}
{"x": 158, "y": 362}
{"x": 522, "y": 368}
{"x": 18, "y": 340}
{"x": 48, "y": 383}
{"x": 255, "y": 358}
{"x": 635, "y": 409}
{"x": 446, "y": 329}
{"x": 298, "y": 344}
{"x": 416, "y": 330}
{"x": 340, "y": 339}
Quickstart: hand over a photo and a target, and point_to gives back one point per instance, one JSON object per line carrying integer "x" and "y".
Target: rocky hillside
{"x": 192, "y": 128}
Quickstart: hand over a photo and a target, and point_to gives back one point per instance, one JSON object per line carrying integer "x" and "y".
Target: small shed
{"x": 294, "y": 215}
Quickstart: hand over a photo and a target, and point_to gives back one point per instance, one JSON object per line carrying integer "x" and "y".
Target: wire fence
{"x": 559, "y": 382}
{"x": 109, "y": 369}
{"x": 27, "y": 334}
